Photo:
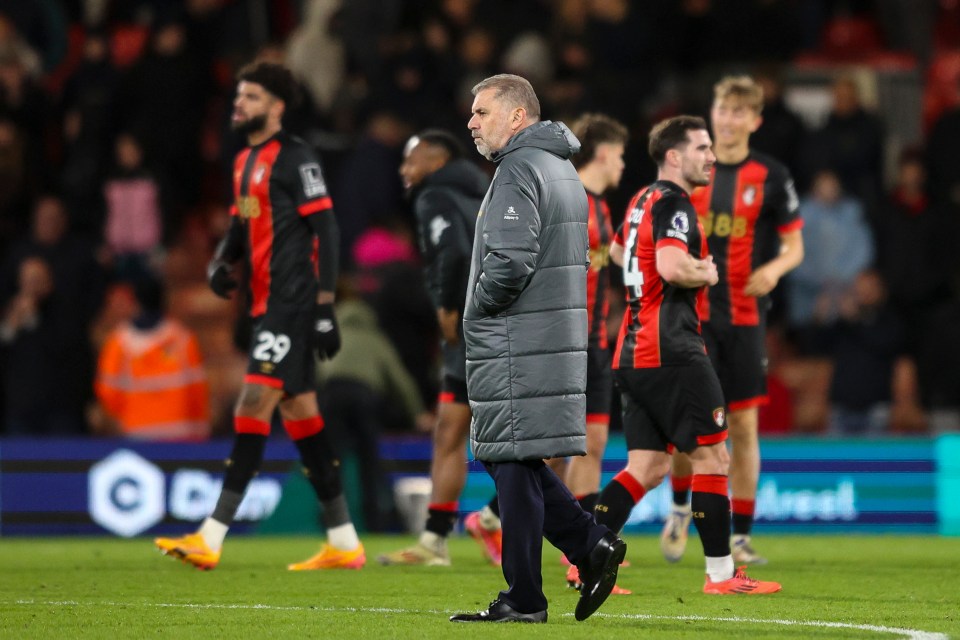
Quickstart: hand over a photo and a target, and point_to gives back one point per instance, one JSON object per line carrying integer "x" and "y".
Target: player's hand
{"x": 326, "y": 335}
{"x": 220, "y": 277}
{"x": 761, "y": 282}
{"x": 449, "y": 320}
{"x": 710, "y": 267}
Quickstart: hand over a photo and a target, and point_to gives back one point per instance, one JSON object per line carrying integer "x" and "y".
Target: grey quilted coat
{"x": 525, "y": 320}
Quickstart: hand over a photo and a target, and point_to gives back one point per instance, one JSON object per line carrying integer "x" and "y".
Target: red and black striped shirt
{"x": 660, "y": 324}
{"x": 598, "y": 275}
{"x": 276, "y": 185}
{"x": 743, "y": 210}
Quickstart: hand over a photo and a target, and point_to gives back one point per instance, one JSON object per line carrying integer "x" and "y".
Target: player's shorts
{"x": 678, "y": 405}
{"x": 599, "y": 384}
{"x": 739, "y": 356}
{"x": 281, "y": 350}
{"x": 453, "y": 390}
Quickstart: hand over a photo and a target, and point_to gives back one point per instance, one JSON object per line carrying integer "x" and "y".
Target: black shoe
{"x": 598, "y": 573}
{"x": 500, "y": 611}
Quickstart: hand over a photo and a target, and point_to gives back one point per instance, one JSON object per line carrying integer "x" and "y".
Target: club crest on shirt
{"x": 718, "y": 416}
{"x": 749, "y": 195}
{"x": 258, "y": 173}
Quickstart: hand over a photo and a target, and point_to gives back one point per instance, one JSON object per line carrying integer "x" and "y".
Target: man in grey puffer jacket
{"x": 525, "y": 328}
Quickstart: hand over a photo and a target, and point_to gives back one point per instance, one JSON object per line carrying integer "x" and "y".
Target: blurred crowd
{"x": 115, "y": 151}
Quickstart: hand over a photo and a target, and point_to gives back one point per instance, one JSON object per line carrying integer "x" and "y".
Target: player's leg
{"x": 583, "y": 472}
{"x": 676, "y": 527}
{"x": 644, "y": 472}
{"x": 448, "y": 473}
{"x": 711, "y": 509}
{"x": 321, "y": 465}
{"x": 745, "y": 388}
{"x": 744, "y": 476}
{"x": 252, "y": 426}
{"x": 703, "y": 432}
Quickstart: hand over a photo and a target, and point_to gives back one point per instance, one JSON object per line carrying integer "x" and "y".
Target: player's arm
{"x": 679, "y": 268}
{"x": 228, "y": 251}
{"x": 444, "y": 241}
{"x": 616, "y": 253}
{"x": 309, "y": 192}
{"x": 511, "y": 243}
{"x": 786, "y": 208}
{"x": 672, "y": 220}
{"x": 765, "y": 277}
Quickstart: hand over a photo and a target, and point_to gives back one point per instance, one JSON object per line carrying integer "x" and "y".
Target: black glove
{"x": 326, "y": 335}
{"x": 219, "y": 275}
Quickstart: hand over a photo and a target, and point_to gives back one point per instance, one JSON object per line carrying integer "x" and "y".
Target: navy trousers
{"x": 535, "y": 504}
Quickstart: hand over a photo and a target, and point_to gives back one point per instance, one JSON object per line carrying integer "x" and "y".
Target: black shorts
{"x": 281, "y": 350}
{"x": 739, "y": 357}
{"x": 679, "y": 405}
{"x": 453, "y": 390}
{"x": 599, "y": 384}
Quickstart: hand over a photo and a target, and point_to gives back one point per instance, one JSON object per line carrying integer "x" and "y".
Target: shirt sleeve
{"x": 445, "y": 245}
{"x": 672, "y": 218}
{"x": 784, "y": 202}
{"x": 308, "y": 187}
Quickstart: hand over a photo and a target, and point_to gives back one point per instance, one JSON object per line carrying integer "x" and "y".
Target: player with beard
{"x": 446, "y": 190}
{"x": 670, "y": 393}
{"x": 284, "y": 229}
{"x": 750, "y": 214}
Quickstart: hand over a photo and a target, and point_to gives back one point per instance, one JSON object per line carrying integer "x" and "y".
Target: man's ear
{"x": 518, "y": 118}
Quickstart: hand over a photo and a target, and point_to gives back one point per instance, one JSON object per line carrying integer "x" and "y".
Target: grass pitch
{"x": 834, "y": 587}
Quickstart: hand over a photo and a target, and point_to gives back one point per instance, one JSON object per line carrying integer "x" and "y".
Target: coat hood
{"x": 460, "y": 175}
{"x": 554, "y": 137}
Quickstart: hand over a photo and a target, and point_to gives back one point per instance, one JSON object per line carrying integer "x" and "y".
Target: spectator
{"x": 150, "y": 377}
{"x": 89, "y": 98}
{"x": 868, "y": 340}
{"x": 839, "y": 245}
{"x": 68, "y": 310}
{"x": 161, "y": 95}
{"x": 134, "y": 215}
{"x": 33, "y": 341}
{"x": 781, "y": 133}
{"x": 16, "y": 180}
{"x": 910, "y": 232}
{"x": 391, "y": 281}
{"x": 357, "y": 387}
{"x": 942, "y": 166}
{"x": 850, "y": 143}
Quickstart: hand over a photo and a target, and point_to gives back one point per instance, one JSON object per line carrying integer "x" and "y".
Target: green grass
{"x": 103, "y": 588}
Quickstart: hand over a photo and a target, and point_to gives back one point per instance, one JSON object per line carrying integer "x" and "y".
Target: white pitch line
{"x": 911, "y": 634}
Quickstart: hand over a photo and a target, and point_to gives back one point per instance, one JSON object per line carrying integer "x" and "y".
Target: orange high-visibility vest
{"x": 153, "y": 383}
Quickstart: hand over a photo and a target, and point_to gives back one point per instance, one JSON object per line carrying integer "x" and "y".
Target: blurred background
{"x": 115, "y": 156}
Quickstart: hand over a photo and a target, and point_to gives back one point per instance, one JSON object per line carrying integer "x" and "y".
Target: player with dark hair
{"x": 284, "y": 228}
{"x": 447, "y": 191}
{"x": 670, "y": 393}
{"x": 750, "y": 215}
{"x": 599, "y": 164}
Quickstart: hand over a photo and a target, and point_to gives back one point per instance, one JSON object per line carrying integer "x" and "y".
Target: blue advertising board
{"x": 132, "y": 488}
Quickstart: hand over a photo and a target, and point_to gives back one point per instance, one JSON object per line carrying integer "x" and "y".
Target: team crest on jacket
{"x": 258, "y": 173}
{"x": 749, "y": 195}
{"x": 718, "y": 416}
